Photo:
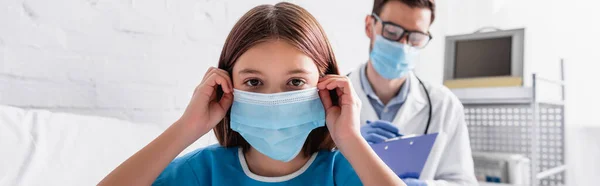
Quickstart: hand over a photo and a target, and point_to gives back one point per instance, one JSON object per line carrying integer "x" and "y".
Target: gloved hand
{"x": 378, "y": 131}
{"x": 414, "y": 182}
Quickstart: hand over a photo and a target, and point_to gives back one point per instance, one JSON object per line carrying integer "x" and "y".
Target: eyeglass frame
{"x": 405, "y": 33}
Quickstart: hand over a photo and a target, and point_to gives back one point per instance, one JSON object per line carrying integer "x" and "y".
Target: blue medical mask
{"x": 392, "y": 59}
{"x": 277, "y": 125}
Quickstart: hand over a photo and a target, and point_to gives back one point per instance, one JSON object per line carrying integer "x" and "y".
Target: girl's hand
{"x": 342, "y": 119}
{"x": 343, "y": 122}
{"x": 205, "y": 111}
{"x": 202, "y": 113}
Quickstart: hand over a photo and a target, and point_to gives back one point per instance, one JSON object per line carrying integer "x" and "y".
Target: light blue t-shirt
{"x": 216, "y": 165}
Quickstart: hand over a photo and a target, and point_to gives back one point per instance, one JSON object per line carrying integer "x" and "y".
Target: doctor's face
{"x": 411, "y": 19}
{"x": 274, "y": 66}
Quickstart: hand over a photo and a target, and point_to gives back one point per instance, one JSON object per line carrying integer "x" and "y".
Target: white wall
{"x": 431, "y": 63}
{"x": 133, "y": 59}
{"x": 583, "y": 59}
{"x": 140, "y": 60}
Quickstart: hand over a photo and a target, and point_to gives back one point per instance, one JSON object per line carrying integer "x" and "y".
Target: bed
{"x": 39, "y": 147}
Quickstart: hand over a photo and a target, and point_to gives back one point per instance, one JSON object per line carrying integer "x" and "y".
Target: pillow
{"x": 45, "y": 148}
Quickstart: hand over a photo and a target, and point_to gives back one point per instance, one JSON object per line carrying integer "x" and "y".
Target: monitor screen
{"x": 483, "y": 57}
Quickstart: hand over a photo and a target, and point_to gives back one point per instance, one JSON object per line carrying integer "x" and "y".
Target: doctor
{"x": 395, "y": 101}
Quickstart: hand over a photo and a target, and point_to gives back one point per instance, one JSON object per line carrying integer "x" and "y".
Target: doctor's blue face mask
{"x": 278, "y": 124}
{"x": 392, "y": 59}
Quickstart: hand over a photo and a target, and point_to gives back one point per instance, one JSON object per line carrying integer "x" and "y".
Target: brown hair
{"x": 430, "y": 4}
{"x": 289, "y": 23}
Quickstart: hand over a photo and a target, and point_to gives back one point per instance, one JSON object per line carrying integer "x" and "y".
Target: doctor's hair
{"x": 429, "y": 4}
{"x": 286, "y": 22}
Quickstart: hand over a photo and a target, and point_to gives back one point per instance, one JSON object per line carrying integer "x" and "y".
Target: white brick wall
{"x": 137, "y": 59}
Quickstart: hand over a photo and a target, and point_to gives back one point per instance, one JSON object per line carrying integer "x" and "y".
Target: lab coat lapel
{"x": 414, "y": 104}
{"x": 367, "y": 111}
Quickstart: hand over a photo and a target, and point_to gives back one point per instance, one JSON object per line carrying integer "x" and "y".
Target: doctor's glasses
{"x": 394, "y": 32}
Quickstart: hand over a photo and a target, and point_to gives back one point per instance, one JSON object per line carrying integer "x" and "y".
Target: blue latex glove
{"x": 378, "y": 131}
{"x": 414, "y": 182}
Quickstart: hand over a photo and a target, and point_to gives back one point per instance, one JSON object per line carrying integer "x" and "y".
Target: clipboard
{"x": 406, "y": 155}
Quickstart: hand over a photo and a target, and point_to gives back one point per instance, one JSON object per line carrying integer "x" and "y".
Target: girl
{"x": 277, "y": 107}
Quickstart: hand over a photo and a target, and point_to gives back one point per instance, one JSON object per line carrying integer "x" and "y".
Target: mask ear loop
{"x": 373, "y": 32}
{"x": 373, "y": 25}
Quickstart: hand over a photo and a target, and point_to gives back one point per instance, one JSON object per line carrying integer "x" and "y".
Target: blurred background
{"x": 135, "y": 63}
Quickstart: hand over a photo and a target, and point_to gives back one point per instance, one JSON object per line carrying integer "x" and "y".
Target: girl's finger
{"x": 207, "y": 73}
{"x": 226, "y": 101}
{"x": 227, "y": 86}
{"x": 323, "y": 84}
{"x": 328, "y": 76}
{"x": 215, "y": 79}
{"x": 222, "y": 73}
{"x": 340, "y": 83}
{"x": 343, "y": 89}
{"x": 325, "y": 99}
{"x": 226, "y": 76}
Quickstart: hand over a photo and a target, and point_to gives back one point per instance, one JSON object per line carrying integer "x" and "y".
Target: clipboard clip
{"x": 401, "y": 137}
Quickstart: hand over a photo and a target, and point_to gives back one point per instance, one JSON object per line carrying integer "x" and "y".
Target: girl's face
{"x": 274, "y": 66}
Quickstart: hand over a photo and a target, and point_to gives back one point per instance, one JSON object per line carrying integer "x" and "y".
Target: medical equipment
{"x": 502, "y": 168}
{"x": 515, "y": 120}
{"x": 428, "y": 105}
{"x": 485, "y": 59}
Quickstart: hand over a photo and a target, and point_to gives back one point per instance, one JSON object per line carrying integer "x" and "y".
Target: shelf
{"x": 495, "y": 95}
{"x": 495, "y": 184}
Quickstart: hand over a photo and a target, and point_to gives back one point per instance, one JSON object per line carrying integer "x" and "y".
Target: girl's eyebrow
{"x": 250, "y": 71}
{"x": 291, "y": 72}
{"x": 298, "y": 71}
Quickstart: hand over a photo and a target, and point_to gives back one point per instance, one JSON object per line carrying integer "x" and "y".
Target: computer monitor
{"x": 484, "y": 55}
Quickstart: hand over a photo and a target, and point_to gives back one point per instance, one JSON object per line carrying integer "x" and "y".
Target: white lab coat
{"x": 450, "y": 162}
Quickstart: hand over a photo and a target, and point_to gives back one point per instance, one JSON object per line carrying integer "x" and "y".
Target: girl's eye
{"x": 296, "y": 82}
{"x": 253, "y": 82}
